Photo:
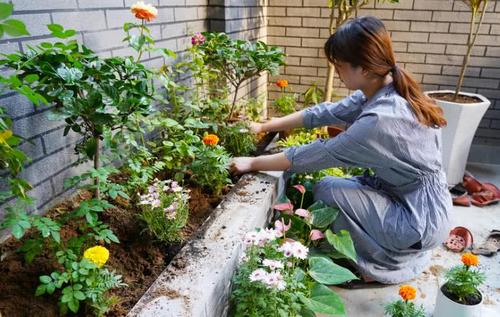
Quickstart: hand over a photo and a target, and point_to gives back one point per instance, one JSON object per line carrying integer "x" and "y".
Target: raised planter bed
{"x": 197, "y": 281}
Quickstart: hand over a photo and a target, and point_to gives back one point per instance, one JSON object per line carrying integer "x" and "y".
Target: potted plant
{"x": 405, "y": 308}
{"x": 462, "y": 110}
{"x": 459, "y": 296}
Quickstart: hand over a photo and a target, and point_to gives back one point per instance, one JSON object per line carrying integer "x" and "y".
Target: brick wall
{"x": 428, "y": 38}
{"x": 99, "y": 25}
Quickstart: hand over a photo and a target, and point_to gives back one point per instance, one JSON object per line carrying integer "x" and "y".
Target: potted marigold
{"x": 462, "y": 110}
{"x": 405, "y": 307}
{"x": 459, "y": 296}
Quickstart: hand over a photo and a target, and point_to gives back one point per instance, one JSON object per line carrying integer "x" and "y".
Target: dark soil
{"x": 138, "y": 258}
{"x": 469, "y": 300}
{"x": 460, "y": 98}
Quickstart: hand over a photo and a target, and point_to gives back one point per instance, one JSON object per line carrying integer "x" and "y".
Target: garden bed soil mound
{"x": 138, "y": 258}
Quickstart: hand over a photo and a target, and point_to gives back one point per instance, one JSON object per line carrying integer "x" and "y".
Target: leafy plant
{"x": 91, "y": 94}
{"x": 313, "y": 95}
{"x": 11, "y": 158}
{"x": 237, "y": 139}
{"x": 165, "y": 210}
{"x": 210, "y": 167}
{"x": 83, "y": 280}
{"x": 292, "y": 279}
{"x": 238, "y": 60}
{"x": 253, "y": 108}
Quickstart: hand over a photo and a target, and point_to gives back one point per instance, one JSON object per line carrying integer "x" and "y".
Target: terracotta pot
{"x": 333, "y": 130}
{"x": 445, "y": 307}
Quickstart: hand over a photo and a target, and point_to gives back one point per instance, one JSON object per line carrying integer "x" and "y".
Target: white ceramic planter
{"x": 445, "y": 307}
{"x": 463, "y": 120}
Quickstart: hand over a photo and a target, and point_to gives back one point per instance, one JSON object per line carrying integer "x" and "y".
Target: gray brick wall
{"x": 428, "y": 36}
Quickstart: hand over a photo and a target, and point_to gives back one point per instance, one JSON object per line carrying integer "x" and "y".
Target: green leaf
{"x": 324, "y": 300}
{"x": 14, "y": 28}
{"x": 74, "y": 305}
{"x": 45, "y": 279}
{"x": 56, "y": 236}
{"x": 79, "y": 295}
{"x": 59, "y": 32}
{"x": 322, "y": 214}
{"x": 324, "y": 271}
{"x": 40, "y": 290}
{"x": 5, "y": 10}
{"x": 342, "y": 242}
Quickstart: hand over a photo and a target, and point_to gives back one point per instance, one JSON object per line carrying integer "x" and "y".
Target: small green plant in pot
{"x": 460, "y": 294}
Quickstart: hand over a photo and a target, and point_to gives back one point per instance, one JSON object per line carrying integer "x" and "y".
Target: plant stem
{"x": 234, "y": 101}
{"x": 142, "y": 34}
{"x": 471, "y": 40}
{"x": 96, "y": 166}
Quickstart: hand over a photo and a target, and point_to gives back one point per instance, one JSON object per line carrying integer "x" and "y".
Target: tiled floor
{"x": 370, "y": 302}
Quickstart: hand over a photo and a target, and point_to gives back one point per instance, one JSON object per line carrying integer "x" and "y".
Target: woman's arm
{"x": 275, "y": 162}
{"x": 294, "y": 120}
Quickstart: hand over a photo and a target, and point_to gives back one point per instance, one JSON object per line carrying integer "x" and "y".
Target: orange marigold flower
{"x": 470, "y": 259}
{"x": 282, "y": 83}
{"x": 211, "y": 139}
{"x": 144, "y": 11}
{"x": 407, "y": 292}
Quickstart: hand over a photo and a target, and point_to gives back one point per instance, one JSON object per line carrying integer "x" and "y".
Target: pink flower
{"x": 198, "y": 39}
{"x": 272, "y": 264}
{"x": 281, "y": 227}
{"x": 258, "y": 275}
{"x": 286, "y": 208}
{"x": 300, "y": 188}
{"x": 316, "y": 235}
{"x": 304, "y": 213}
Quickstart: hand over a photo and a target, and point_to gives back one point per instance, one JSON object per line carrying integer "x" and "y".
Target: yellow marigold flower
{"x": 5, "y": 135}
{"x": 211, "y": 139}
{"x": 282, "y": 83}
{"x": 144, "y": 11}
{"x": 97, "y": 255}
{"x": 470, "y": 259}
{"x": 407, "y": 292}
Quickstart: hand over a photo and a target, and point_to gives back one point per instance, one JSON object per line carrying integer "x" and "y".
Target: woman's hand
{"x": 241, "y": 165}
{"x": 256, "y": 127}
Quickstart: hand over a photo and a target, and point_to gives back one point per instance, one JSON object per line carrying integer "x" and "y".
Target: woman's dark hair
{"x": 365, "y": 42}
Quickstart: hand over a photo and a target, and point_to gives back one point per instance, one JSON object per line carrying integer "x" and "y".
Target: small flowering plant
{"x": 82, "y": 281}
{"x": 210, "y": 167}
{"x": 294, "y": 281}
{"x": 405, "y": 307}
{"x": 165, "y": 209}
{"x": 462, "y": 281}
{"x": 286, "y": 102}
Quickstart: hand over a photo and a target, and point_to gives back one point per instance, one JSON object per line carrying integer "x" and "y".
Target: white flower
{"x": 250, "y": 238}
{"x": 258, "y": 275}
{"x": 295, "y": 249}
{"x": 272, "y": 264}
{"x": 275, "y": 280}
